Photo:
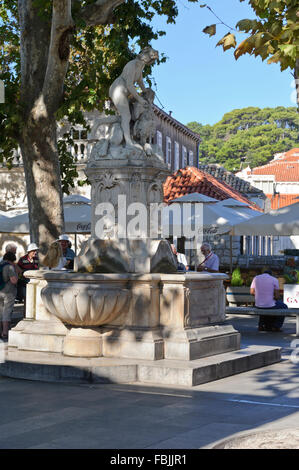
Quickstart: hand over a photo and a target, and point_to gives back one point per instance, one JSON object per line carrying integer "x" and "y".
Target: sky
{"x": 199, "y": 82}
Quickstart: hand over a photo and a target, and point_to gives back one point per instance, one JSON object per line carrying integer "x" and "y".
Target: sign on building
{"x": 291, "y": 295}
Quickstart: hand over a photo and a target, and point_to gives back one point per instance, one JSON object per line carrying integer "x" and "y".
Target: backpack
{"x": 2, "y": 282}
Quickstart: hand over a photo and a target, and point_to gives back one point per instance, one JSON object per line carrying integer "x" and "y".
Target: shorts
{"x": 7, "y": 301}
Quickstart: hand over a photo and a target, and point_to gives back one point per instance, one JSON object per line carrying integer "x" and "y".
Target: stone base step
{"x": 54, "y": 367}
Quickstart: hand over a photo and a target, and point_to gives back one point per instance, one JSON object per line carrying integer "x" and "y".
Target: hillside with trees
{"x": 249, "y": 135}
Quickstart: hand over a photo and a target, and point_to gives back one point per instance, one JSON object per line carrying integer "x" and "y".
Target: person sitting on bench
{"x": 265, "y": 288}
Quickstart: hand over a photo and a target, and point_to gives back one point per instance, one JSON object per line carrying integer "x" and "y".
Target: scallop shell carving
{"x": 85, "y": 307}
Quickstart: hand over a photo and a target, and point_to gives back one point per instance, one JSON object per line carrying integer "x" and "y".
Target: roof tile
{"x": 282, "y": 200}
{"x": 190, "y": 179}
{"x": 285, "y": 167}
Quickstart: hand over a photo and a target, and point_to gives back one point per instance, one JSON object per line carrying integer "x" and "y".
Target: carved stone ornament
{"x": 108, "y": 181}
{"x": 86, "y": 306}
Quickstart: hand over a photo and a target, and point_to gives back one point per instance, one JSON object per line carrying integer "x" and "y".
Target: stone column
{"x": 40, "y": 330}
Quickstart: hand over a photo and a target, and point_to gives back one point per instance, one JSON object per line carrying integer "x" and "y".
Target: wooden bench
{"x": 290, "y": 312}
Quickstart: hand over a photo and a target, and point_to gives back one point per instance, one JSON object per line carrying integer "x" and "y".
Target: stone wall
{"x": 227, "y": 250}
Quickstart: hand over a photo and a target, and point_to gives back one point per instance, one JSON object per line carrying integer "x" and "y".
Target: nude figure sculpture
{"x": 123, "y": 89}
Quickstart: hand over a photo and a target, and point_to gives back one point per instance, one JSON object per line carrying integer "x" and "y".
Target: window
{"x": 191, "y": 161}
{"x": 168, "y": 150}
{"x": 76, "y": 134}
{"x": 159, "y": 140}
{"x": 176, "y": 156}
{"x": 184, "y": 158}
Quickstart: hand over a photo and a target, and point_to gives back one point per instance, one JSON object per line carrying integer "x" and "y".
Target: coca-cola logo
{"x": 83, "y": 227}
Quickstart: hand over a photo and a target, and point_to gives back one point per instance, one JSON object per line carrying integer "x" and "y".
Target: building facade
{"x": 279, "y": 180}
{"x": 178, "y": 143}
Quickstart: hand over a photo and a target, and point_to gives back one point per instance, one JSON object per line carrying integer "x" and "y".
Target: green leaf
{"x": 289, "y": 50}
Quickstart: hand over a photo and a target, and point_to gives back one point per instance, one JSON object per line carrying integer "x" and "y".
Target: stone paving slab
{"x": 45, "y": 415}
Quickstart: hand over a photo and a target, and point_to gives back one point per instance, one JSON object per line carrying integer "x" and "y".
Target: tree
{"x": 57, "y": 59}
{"x": 251, "y": 135}
{"x": 273, "y": 35}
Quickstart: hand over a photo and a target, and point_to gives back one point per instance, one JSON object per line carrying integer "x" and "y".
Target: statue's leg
{"x": 125, "y": 116}
{"x": 121, "y": 102}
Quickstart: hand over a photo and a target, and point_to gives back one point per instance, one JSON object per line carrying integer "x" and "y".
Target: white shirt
{"x": 182, "y": 259}
{"x": 61, "y": 264}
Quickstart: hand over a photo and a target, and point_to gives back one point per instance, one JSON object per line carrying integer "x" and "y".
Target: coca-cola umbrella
{"x": 279, "y": 222}
{"x": 208, "y": 217}
{"x": 77, "y": 218}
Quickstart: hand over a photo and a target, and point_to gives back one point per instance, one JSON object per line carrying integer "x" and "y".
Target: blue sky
{"x": 200, "y": 82}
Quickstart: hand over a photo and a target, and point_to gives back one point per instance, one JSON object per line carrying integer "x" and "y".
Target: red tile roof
{"x": 291, "y": 155}
{"x": 282, "y": 200}
{"x": 285, "y": 167}
{"x": 192, "y": 180}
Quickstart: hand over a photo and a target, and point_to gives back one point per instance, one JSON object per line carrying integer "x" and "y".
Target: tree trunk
{"x": 44, "y": 61}
{"x": 42, "y": 175}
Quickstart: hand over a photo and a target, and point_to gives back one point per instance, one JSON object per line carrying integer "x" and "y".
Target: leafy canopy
{"x": 272, "y": 35}
{"x": 251, "y": 135}
{"x": 98, "y": 54}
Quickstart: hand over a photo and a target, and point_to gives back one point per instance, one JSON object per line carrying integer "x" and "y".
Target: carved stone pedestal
{"x": 150, "y": 316}
{"x": 169, "y": 330}
{"x": 127, "y": 200}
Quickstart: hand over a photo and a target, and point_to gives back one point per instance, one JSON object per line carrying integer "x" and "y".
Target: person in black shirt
{"x": 26, "y": 263}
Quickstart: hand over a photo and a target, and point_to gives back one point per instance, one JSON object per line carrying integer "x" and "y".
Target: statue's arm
{"x": 141, "y": 83}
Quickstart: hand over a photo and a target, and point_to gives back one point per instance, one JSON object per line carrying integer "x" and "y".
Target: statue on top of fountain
{"x": 131, "y": 131}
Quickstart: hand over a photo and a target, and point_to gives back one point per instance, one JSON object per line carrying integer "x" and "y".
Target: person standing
{"x": 67, "y": 252}
{"x": 211, "y": 262}
{"x": 26, "y": 263}
{"x": 8, "y": 291}
{"x": 10, "y": 247}
{"x": 265, "y": 288}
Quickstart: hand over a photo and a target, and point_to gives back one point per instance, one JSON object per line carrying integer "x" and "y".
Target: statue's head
{"x": 148, "y": 55}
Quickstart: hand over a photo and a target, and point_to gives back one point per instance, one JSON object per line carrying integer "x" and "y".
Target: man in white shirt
{"x": 181, "y": 259}
{"x": 211, "y": 262}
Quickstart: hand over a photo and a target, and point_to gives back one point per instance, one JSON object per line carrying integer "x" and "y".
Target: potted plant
{"x": 238, "y": 293}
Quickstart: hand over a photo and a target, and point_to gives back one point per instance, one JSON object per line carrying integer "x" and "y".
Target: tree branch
{"x": 100, "y": 12}
{"x": 62, "y": 27}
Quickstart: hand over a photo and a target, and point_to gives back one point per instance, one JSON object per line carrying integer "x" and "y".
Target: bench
{"x": 290, "y": 312}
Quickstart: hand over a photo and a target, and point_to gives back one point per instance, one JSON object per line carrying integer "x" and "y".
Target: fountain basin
{"x": 129, "y": 315}
{"x": 81, "y": 300}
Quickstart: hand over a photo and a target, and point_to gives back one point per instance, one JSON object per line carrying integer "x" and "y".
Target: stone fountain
{"x": 125, "y": 313}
